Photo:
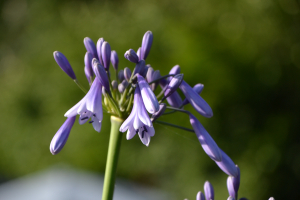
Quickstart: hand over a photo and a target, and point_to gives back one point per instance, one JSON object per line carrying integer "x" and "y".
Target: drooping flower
{"x": 138, "y": 121}
{"x": 60, "y": 138}
{"x": 208, "y": 144}
{"x": 148, "y": 96}
{"x": 89, "y": 107}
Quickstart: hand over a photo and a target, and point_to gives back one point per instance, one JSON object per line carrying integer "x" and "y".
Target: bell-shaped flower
{"x": 90, "y": 106}
{"x": 233, "y": 184}
{"x": 200, "y": 196}
{"x": 138, "y": 121}
{"x": 148, "y": 96}
{"x": 196, "y": 100}
{"x": 90, "y": 46}
{"x": 227, "y": 165}
{"x": 146, "y": 44}
{"x": 64, "y": 64}
{"x": 198, "y": 89}
{"x": 60, "y": 138}
{"x": 114, "y": 59}
{"x": 208, "y": 144}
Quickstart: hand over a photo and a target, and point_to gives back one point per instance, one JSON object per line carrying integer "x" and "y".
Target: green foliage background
{"x": 245, "y": 52}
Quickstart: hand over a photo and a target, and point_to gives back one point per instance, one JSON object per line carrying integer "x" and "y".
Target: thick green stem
{"x": 112, "y": 158}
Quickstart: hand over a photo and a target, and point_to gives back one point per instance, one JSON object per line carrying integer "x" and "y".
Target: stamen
{"x": 91, "y": 122}
{"x": 137, "y": 131}
{"x": 84, "y": 118}
{"x": 145, "y": 129}
{"x": 143, "y": 133}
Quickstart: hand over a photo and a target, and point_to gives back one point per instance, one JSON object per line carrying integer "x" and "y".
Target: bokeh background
{"x": 245, "y": 52}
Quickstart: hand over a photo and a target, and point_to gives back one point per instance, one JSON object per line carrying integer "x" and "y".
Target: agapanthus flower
{"x": 138, "y": 121}
{"x": 89, "y": 107}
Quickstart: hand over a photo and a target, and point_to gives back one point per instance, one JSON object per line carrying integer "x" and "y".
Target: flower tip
{"x": 64, "y": 64}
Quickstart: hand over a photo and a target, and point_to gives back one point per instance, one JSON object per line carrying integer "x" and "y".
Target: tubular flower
{"x": 138, "y": 121}
{"x": 89, "y": 107}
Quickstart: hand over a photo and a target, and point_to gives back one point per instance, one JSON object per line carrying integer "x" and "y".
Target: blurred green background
{"x": 245, "y": 52}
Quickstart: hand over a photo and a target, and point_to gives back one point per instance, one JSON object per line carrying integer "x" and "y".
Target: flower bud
{"x": 230, "y": 198}
{"x": 99, "y": 46}
{"x": 122, "y": 86}
{"x": 146, "y": 44}
{"x": 64, "y": 64}
{"x": 114, "y": 60}
{"x": 88, "y": 63}
{"x": 138, "y": 53}
{"x": 200, "y": 196}
{"x": 121, "y": 75}
{"x": 87, "y": 74}
{"x": 60, "y": 138}
{"x": 114, "y": 84}
{"x": 139, "y": 67}
{"x": 174, "y": 71}
{"x": 90, "y": 46}
{"x": 198, "y": 89}
{"x": 173, "y": 85}
{"x": 209, "y": 191}
{"x": 101, "y": 74}
{"x": 131, "y": 56}
{"x": 227, "y": 165}
{"x": 127, "y": 73}
{"x": 105, "y": 53}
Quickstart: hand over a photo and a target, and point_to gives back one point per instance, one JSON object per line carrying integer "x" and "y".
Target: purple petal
{"x": 174, "y": 99}
{"x": 60, "y": 138}
{"x": 208, "y": 144}
{"x": 96, "y": 124}
{"x": 127, "y": 73}
{"x": 162, "y": 108}
{"x": 64, "y": 64}
{"x": 230, "y": 187}
{"x": 73, "y": 111}
{"x": 101, "y": 74}
{"x": 175, "y": 70}
{"x": 130, "y": 133}
{"x": 94, "y": 100}
{"x": 148, "y": 96}
{"x": 121, "y": 75}
{"x": 139, "y": 67}
{"x": 105, "y": 53}
{"x": 138, "y": 53}
{"x": 90, "y": 46}
{"x": 88, "y": 63}
{"x": 84, "y": 117}
{"x": 227, "y": 165}
{"x": 230, "y": 198}
{"x": 195, "y": 100}
{"x": 173, "y": 85}
{"x": 145, "y": 138}
{"x": 146, "y": 44}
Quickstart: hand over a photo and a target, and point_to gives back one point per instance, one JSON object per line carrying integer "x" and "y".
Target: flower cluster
{"x": 131, "y": 98}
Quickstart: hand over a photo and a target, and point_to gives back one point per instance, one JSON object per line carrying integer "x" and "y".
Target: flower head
{"x": 138, "y": 121}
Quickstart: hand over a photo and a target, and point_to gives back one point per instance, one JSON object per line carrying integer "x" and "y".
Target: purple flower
{"x": 60, "y": 138}
{"x": 152, "y": 76}
{"x": 114, "y": 59}
{"x": 88, "y": 65}
{"x": 64, "y": 64}
{"x": 121, "y": 75}
{"x": 138, "y": 121}
{"x": 175, "y": 70}
{"x": 148, "y": 96}
{"x": 105, "y": 53}
{"x": 208, "y": 144}
{"x": 99, "y": 47}
{"x": 138, "y": 53}
{"x": 173, "y": 85}
{"x": 131, "y": 56}
{"x": 233, "y": 184}
{"x": 196, "y": 100}
{"x": 200, "y": 196}
{"x": 227, "y": 165}
{"x": 209, "y": 191}
{"x": 146, "y": 44}
{"x": 89, "y": 107}
{"x": 198, "y": 89}
{"x": 139, "y": 67}
{"x": 101, "y": 74}
{"x": 90, "y": 46}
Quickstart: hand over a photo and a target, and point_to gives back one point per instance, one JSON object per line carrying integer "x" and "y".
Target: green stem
{"x": 112, "y": 158}
{"x": 173, "y": 125}
{"x": 80, "y": 86}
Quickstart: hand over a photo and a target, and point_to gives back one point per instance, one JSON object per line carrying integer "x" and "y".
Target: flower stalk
{"x": 112, "y": 158}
